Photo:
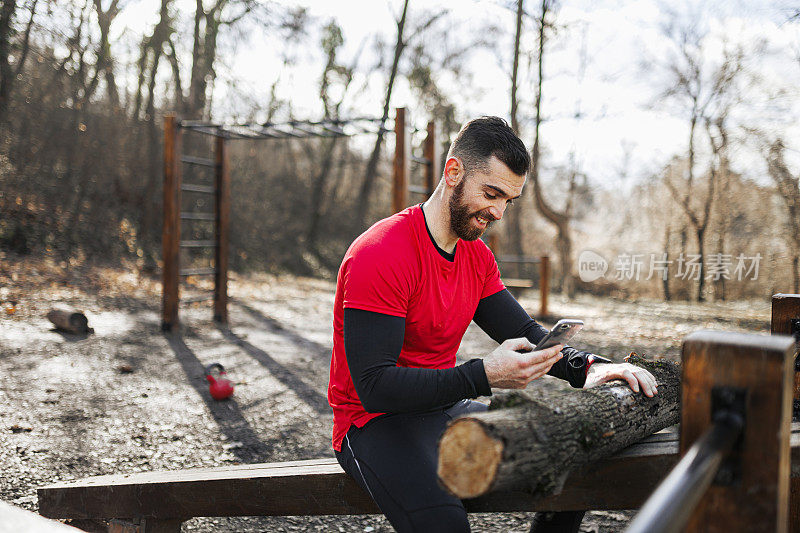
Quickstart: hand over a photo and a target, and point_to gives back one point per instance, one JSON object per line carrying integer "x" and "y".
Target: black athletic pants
{"x": 394, "y": 458}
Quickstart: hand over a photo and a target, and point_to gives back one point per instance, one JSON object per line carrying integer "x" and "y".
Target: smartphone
{"x": 564, "y": 330}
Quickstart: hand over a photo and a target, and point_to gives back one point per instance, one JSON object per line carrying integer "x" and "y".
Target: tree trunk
{"x": 318, "y": 193}
{"x": 104, "y": 63}
{"x": 6, "y": 73}
{"x": 530, "y": 440}
{"x": 515, "y": 71}
{"x": 514, "y": 224}
{"x": 701, "y": 283}
{"x": 564, "y": 247}
{"x": 558, "y": 219}
{"x": 362, "y": 206}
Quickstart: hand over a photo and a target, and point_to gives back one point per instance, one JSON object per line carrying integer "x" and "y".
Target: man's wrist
{"x": 592, "y": 359}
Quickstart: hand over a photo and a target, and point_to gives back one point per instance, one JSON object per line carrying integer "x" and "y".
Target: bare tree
{"x": 104, "y": 65}
{"x": 709, "y": 95}
{"x": 152, "y": 50}
{"x": 514, "y": 215}
{"x": 372, "y": 163}
{"x": 333, "y": 73}
{"x": 561, "y": 219}
{"x": 788, "y": 186}
{"x": 9, "y": 74}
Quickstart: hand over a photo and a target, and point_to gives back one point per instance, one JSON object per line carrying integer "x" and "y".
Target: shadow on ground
{"x": 227, "y": 414}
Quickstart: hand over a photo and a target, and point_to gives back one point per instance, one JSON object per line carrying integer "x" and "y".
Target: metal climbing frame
{"x": 175, "y": 159}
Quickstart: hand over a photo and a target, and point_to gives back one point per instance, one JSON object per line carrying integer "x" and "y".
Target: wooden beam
{"x": 320, "y": 487}
{"x": 402, "y": 157}
{"x": 786, "y": 321}
{"x": 171, "y": 230}
{"x": 432, "y": 153}
{"x": 222, "y": 208}
{"x": 761, "y": 366}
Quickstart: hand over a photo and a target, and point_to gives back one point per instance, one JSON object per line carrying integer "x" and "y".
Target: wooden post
{"x": 751, "y": 492}
{"x": 786, "y": 321}
{"x": 171, "y": 231}
{"x": 402, "y": 157}
{"x": 222, "y": 208}
{"x": 544, "y": 284}
{"x": 431, "y": 152}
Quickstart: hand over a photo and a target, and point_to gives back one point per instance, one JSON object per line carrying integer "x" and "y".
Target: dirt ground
{"x": 129, "y": 398}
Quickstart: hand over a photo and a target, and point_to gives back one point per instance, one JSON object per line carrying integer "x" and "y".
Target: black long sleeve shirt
{"x": 373, "y": 342}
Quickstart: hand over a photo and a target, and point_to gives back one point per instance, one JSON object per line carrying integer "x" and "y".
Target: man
{"x": 407, "y": 290}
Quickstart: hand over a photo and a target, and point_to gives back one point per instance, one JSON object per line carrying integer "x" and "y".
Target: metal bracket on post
{"x": 730, "y": 403}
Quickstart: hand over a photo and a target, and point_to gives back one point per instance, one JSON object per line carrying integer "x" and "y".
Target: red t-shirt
{"x": 394, "y": 268}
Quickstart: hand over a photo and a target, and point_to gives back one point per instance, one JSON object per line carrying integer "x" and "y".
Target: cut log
{"x": 532, "y": 439}
{"x": 69, "y": 320}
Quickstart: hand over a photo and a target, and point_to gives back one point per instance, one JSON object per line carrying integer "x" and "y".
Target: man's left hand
{"x": 637, "y": 377}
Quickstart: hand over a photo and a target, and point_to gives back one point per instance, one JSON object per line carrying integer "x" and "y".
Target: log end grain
{"x": 468, "y": 458}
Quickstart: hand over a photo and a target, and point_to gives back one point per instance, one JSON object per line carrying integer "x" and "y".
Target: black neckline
{"x": 449, "y": 257}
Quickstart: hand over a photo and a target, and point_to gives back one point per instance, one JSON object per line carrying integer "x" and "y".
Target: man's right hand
{"x": 513, "y": 364}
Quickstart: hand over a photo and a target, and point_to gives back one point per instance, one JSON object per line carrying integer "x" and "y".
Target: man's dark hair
{"x": 484, "y": 137}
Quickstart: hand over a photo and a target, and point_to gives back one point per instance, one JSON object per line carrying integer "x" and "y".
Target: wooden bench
{"x": 160, "y": 501}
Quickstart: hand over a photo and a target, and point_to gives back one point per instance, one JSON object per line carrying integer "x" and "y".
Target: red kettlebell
{"x": 219, "y": 387}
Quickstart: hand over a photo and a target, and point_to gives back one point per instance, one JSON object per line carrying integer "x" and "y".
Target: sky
{"x": 606, "y": 61}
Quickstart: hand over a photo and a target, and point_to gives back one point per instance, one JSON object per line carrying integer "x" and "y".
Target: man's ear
{"x": 453, "y": 171}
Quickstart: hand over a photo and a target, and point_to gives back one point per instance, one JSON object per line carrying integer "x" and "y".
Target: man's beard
{"x": 461, "y": 217}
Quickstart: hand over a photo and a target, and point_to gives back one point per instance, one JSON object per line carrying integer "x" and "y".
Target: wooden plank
{"x": 785, "y": 317}
{"x": 171, "y": 230}
{"x": 432, "y": 152}
{"x": 15, "y": 519}
{"x": 402, "y": 156}
{"x": 762, "y": 366}
{"x": 222, "y": 208}
{"x": 325, "y": 489}
{"x": 662, "y": 443}
{"x": 319, "y": 486}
